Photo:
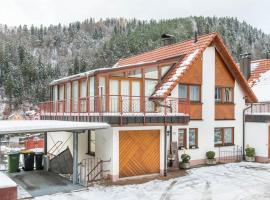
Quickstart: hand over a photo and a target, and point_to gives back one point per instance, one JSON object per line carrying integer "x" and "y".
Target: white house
{"x": 191, "y": 94}
{"x": 258, "y": 115}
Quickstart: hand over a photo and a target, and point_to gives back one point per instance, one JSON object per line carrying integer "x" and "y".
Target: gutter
{"x": 244, "y": 129}
{"x": 165, "y": 151}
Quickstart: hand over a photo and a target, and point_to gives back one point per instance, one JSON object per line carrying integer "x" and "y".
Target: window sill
{"x": 91, "y": 154}
{"x": 195, "y": 103}
{"x": 182, "y": 148}
{"x": 225, "y": 119}
{"x": 193, "y": 147}
{"x": 225, "y": 103}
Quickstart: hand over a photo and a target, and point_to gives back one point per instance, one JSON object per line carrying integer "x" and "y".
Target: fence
{"x": 229, "y": 155}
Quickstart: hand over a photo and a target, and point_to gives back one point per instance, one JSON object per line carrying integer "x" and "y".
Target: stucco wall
{"x": 257, "y": 137}
{"x": 67, "y": 141}
{"x": 104, "y": 147}
{"x": 207, "y": 125}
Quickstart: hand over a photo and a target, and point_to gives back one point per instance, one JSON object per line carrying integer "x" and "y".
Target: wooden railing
{"x": 259, "y": 108}
{"x": 115, "y": 104}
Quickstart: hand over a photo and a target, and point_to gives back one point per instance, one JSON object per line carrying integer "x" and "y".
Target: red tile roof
{"x": 258, "y": 67}
{"x": 192, "y": 51}
{"x": 169, "y": 51}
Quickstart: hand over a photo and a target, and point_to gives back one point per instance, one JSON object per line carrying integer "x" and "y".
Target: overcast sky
{"x": 14, "y": 12}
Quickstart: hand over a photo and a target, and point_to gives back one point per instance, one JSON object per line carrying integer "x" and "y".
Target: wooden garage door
{"x": 139, "y": 152}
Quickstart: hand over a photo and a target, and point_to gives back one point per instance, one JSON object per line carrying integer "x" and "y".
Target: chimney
{"x": 167, "y": 39}
{"x": 195, "y": 37}
{"x": 245, "y": 65}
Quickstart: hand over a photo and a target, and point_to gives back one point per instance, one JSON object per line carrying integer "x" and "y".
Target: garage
{"x": 139, "y": 152}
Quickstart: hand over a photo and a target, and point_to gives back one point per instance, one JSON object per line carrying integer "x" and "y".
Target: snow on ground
{"x": 237, "y": 181}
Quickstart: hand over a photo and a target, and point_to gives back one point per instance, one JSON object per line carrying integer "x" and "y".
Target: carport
{"x": 45, "y": 126}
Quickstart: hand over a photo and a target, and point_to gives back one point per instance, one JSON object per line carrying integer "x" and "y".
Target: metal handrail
{"x": 55, "y": 145}
{"x": 114, "y": 104}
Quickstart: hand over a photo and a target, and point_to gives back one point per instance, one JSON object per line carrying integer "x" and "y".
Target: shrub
{"x": 185, "y": 158}
{"x": 250, "y": 152}
{"x": 210, "y": 154}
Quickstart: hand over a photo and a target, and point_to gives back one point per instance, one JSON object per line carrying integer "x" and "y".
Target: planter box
{"x": 184, "y": 165}
{"x": 211, "y": 161}
{"x": 250, "y": 159}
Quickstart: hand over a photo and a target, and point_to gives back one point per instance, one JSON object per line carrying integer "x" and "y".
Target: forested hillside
{"x": 30, "y": 57}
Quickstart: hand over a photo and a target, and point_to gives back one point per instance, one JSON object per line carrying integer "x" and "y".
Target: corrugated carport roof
{"x": 36, "y": 126}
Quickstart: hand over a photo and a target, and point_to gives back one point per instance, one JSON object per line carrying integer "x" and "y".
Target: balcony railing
{"x": 262, "y": 108}
{"x": 113, "y": 105}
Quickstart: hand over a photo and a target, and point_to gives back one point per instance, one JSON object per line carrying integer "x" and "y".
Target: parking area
{"x": 39, "y": 183}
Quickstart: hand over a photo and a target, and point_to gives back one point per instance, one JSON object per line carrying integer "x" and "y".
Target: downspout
{"x": 170, "y": 144}
{"x": 244, "y": 129}
{"x": 165, "y": 151}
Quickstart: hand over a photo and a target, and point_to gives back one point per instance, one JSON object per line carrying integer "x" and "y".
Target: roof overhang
{"x": 37, "y": 126}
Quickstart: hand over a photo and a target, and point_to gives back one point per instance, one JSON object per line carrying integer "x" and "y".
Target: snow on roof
{"x": 261, "y": 87}
{"x": 78, "y": 76}
{"x": 35, "y": 126}
{"x": 254, "y": 66}
{"x": 180, "y": 70}
{"x": 6, "y": 182}
{"x": 258, "y": 67}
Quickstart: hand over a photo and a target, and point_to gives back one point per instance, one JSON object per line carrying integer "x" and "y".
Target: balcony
{"x": 258, "y": 112}
{"x": 116, "y": 109}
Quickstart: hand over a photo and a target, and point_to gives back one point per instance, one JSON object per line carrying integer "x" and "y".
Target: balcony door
{"x": 124, "y": 95}
{"x": 75, "y": 96}
{"x": 136, "y": 95}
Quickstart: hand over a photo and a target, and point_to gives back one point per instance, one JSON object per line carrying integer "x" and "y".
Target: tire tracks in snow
{"x": 165, "y": 195}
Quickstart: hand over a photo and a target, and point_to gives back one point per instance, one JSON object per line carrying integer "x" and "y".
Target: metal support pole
{"x": 45, "y": 143}
{"x": 75, "y": 158}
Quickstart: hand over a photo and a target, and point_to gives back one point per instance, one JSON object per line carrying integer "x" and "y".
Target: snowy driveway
{"x": 224, "y": 182}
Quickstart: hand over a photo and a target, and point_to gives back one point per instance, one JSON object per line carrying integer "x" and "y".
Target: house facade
{"x": 258, "y": 114}
{"x": 184, "y": 97}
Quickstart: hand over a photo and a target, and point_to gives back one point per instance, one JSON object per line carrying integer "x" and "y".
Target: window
{"x": 182, "y": 138}
{"x": 193, "y": 138}
{"x": 83, "y": 91}
{"x": 151, "y": 72}
{"x": 183, "y": 91}
{"x": 218, "y": 136}
{"x": 164, "y": 70}
{"x": 218, "y": 94}
{"x": 228, "y": 135}
{"x": 224, "y": 136}
{"x": 190, "y": 91}
{"x": 91, "y": 143}
{"x": 224, "y": 94}
{"x": 118, "y": 74}
{"x": 227, "y": 95}
{"x": 135, "y": 73}
{"x": 194, "y": 93}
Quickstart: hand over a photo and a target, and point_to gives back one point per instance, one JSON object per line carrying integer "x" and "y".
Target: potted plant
{"x": 250, "y": 154}
{"x": 185, "y": 161}
{"x": 210, "y": 158}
